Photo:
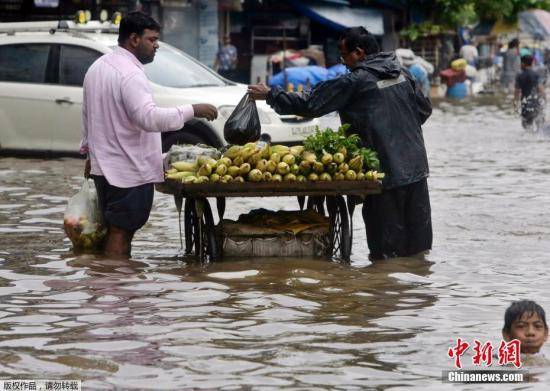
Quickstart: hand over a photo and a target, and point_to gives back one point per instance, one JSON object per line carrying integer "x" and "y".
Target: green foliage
{"x": 414, "y": 31}
{"x": 331, "y": 142}
{"x": 506, "y": 9}
{"x": 453, "y": 13}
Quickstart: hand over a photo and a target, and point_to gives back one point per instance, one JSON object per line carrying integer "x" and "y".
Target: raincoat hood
{"x": 384, "y": 65}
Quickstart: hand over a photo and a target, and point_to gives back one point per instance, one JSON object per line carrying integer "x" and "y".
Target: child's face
{"x": 530, "y": 331}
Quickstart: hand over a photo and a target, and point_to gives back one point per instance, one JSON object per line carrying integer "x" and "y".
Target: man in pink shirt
{"x": 122, "y": 127}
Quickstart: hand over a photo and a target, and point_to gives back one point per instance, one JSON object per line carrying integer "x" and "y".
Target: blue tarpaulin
{"x": 311, "y": 74}
{"x": 338, "y": 17}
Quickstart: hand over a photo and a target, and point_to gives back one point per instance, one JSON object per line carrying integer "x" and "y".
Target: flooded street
{"x": 158, "y": 323}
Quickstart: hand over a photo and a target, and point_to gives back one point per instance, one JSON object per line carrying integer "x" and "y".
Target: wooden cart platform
{"x": 200, "y": 237}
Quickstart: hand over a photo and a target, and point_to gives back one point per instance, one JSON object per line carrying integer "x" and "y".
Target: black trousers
{"x": 398, "y": 221}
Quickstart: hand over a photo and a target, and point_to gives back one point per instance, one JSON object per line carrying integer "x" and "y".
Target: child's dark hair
{"x": 516, "y": 311}
{"x": 360, "y": 37}
{"x": 135, "y": 22}
{"x": 527, "y": 60}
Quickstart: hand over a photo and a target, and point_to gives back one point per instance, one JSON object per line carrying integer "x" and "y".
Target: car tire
{"x": 181, "y": 137}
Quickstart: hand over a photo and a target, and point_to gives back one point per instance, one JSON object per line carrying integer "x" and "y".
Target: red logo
{"x": 508, "y": 353}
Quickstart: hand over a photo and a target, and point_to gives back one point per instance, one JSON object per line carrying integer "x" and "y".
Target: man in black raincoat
{"x": 381, "y": 102}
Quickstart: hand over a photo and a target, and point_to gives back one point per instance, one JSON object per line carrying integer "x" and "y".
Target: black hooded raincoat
{"x": 380, "y": 101}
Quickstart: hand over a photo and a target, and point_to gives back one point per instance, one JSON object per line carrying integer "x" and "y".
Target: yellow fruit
{"x": 289, "y": 159}
{"x": 325, "y": 177}
{"x": 283, "y": 168}
{"x": 227, "y": 178}
{"x": 233, "y": 151}
{"x": 309, "y": 156}
{"x": 262, "y": 165}
{"x": 276, "y": 178}
{"x": 238, "y": 179}
{"x": 305, "y": 167}
{"x": 289, "y": 178}
{"x": 361, "y": 176}
{"x": 266, "y": 152}
{"x": 202, "y": 160}
{"x": 203, "y": 179}
{"x": 205, "y": 170}
{"x": 238, "y": 161}
{"x": 221, "y": 169}
{"x": 343, "y": 167}
{"x": 267, "y": 176}
{"x": 380, "y": 175}
{"x": 351, "y": 175}
{"x": 297, "y": 150}
{"x": 318, "y": 167}
{"x": 215, "y": 178}
{"x": 356, "y": 164}
{"x": 189, "y": 179}
{"x": 271, "y": 166}
{"x": 244, "y": 169}
{"x": 225, "y": 161}
{"x": 280, "y": 149}
{"x": 233, "y": 171}
{"x": 185, "y": 166}
{"x": 246, "y": 152}
{"x": 301, "y": 178}
{"x": 338, "y": 157}
{"x": 255, "y": 158}
{"x": 171, "y": 171}
{"x": 255, "y": 175}
{"x": 275, "y": 157}
{"x": 313, "y": 177}
{"x": 326, "y": 159}
{"x": 339, "y": 176}
{"x": 178, "y": 175}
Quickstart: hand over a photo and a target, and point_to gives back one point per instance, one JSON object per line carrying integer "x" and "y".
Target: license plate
{"x": 302, "y": 130}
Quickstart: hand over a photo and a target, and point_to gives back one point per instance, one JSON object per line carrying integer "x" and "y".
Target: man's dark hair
{"x": 527, "y": 60}
{"x": 135, "y": 22}
{"x": 516, "y": 311}
{"x": 514, "y": 43}
{"x": 359, "y": 37}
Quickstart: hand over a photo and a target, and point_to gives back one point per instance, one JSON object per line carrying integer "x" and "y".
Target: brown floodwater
{"x": 161, "y": 323}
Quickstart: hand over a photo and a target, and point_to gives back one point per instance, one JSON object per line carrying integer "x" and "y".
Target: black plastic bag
{"x": 243, "y": 125}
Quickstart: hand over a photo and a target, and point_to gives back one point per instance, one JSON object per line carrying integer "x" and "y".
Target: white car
{"x": 42, "y": 67}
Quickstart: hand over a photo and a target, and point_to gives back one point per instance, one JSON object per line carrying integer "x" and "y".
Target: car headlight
{"x": 225, "y": 112}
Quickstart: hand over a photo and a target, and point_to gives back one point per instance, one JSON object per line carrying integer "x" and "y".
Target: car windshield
{"x": 172, "y": 68}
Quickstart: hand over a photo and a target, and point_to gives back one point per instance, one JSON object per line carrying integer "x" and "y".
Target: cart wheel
{"x": 205, "y": 238}
{"x": 339, "y": 227}
{"x": 317, "y": 204}
{"x": 189, "y": 221}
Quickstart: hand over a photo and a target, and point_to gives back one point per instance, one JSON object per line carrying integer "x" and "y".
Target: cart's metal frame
{"x": 200, "y": 234}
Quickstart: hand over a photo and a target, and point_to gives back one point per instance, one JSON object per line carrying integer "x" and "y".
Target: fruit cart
{"x": 324, "y": 197}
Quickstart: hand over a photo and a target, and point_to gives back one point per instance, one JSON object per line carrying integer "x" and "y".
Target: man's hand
{"x": 205, "y": 110}
{"x": 258, "y": 91}
{"x": 87, "y": 168}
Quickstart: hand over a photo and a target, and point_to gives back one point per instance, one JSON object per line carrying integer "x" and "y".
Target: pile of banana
{"x": 254, "y": 162}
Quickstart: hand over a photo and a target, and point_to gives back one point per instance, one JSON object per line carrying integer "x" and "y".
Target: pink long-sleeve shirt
{"x": 122, "y": 123}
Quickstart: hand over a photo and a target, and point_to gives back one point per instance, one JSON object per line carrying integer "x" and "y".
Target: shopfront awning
{"x": 339, "y": 17}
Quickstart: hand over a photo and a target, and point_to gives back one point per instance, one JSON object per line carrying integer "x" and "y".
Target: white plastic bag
{"x": 82, "y": 220}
